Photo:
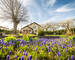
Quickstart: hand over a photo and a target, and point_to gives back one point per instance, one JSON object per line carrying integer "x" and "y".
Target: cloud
{"x": 67, "y": 8}
{"x": 48, "y": 3}
{"x": 52, "y": 2}
{"x": 58, "y": 18}
{"x": 26, "y": 2}
{"x": 52, "y": 19}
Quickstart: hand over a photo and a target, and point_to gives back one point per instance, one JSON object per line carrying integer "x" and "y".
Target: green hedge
{"x": 59, "y": 32}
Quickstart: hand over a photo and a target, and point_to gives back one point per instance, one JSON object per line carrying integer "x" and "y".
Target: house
{"x": 3, "y": 28}
{"x": 31, "y": 28}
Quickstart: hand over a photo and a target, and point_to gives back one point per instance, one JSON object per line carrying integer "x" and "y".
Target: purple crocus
{"x": 72, "y": 57}
{"x": 7, "y": 57}
{"x": 68, "y": 58}
{"x": 36, "y": 58}
{"x": 17, "y": 46}
{"x": 63, "y": 47}
{"x": 26, "y": 54}
{"x": 19, "y": 58}
{"x": 20, "y": 51}
{"x": 6, "y": 48}
{"x": 59, "y": 54}
{"x": 1, "y": 47}
{"x": 22, "y": 58}
{"x": 71, "y": 45}
{"x": 61, "y": 50}
{"x": 27, "y": 58}
{"x": 16, "y": 56}
{"x": 24, "y": 50}
{"x": 66, "y": 49}
{"x": 49, "y": 49}
{"x": 30, "y": 57}
{"x": 9, "y": 52}
{"x": 36, "y": 49}
{"x": 29, "y": 47}
{"x": 51, "y": 45}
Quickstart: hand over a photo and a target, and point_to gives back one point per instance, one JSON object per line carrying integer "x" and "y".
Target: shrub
{"x": 41, "y": 32}
{"x": 68, "y": 33}
{"x": 26, "y": 38}
{"x": 49, "y": 32}
{"x": 36, "y": 38}
{"x": 70, "y": 37}
{"x": 74, "y": 38}
{"x": 10, "y": 38}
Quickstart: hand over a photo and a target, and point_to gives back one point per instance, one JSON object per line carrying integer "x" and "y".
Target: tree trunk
{"x": 15, "y": 28}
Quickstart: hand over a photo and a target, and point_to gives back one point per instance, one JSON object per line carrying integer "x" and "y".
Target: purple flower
{"x": 66, "y": 49}
{"x": 24, "y": 50}
{"x": 64, "y": 44}
{"x": 22, "y": 58}
{"x": 17, "y": 46}
{"x": 59, "y": 54}
{"x": 49, "y": 49}
{"x": 51, "y": 45}
{"x": 73, "y": 41}
{"x": 16, "y": 56}
{"x": 17, "y": 40}
{"x": 19, "y": 58}
{"x": 6, "y": 48}
{"x": 42, "y": 48}
{"x": 72, "y": 57}
{"x": 7, "y": 57}
{"x": 27, "y": 58}
{"x": 61, "y": 50}
{"x": 36, "y": 49}
{"x": 9, "y": 52}
{"x": 10, "y": 42}
{"x": 26, "y": 54}
{"x": 68, "y": 58}
{"x": 29, "y": 47}
{"x": 1, "y": 47}
{"x": 71, "y": 45}
{"x": 30, "y": 57}
{"x": 63, "y": 47}
{"x": 20, "y": 51}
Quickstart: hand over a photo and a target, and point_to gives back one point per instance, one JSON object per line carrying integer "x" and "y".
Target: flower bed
{"x": 43, "y": 49}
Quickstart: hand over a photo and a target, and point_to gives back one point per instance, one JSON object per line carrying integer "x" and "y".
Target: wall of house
{"x": 35, "y": 28}
{"x": 26, "y": 30}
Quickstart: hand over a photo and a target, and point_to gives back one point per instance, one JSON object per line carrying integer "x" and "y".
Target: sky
{"x": 42, "y": 11}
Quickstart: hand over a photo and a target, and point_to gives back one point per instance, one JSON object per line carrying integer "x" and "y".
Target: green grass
{"x": 58, "y": 35}
{"x": 32, "y": 35}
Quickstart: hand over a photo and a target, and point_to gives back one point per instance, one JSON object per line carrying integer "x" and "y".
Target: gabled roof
{"x": 31, "y": 24}
{"x": 27, "y": 26}
{"x": 35, "y": 23}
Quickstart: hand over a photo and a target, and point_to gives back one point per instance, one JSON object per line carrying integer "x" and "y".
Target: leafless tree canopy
{"x": 13, "y": 10}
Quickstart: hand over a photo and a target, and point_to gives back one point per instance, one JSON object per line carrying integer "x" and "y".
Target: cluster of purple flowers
{"x": 55, "y": 46}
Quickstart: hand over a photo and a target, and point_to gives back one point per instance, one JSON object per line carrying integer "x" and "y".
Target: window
{"x": 34, "y": 27}
{"x": 35, "y": 30}
{"x": 24, "y": 30}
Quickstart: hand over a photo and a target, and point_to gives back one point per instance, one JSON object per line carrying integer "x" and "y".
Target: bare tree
{"x": 14, "y": 11}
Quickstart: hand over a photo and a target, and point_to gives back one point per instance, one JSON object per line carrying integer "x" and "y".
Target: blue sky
{"x": 42, "y": 11}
